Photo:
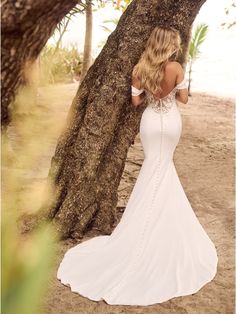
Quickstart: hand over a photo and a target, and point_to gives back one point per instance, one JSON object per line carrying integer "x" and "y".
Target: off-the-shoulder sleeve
{"x": 135, "y": 91}
{"x": 182, "y": 84}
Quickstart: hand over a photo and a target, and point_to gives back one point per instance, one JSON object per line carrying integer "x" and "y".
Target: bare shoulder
{"x": 175, "y": 69}
{"x": 174, "y": 66}
{"x": 174, "y": 72}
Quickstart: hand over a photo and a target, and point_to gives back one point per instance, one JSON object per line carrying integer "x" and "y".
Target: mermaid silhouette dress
{"x": 158, "y": 250}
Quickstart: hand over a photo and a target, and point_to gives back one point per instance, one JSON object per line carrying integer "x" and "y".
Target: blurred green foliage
{"x": 198, "y": 37}
{"x": 59, "y": 65}
{"x": 28, "y": 259}
{"x": 26, "y": 268}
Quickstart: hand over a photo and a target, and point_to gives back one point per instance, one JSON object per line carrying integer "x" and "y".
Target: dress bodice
{"x": 162, "y": 104}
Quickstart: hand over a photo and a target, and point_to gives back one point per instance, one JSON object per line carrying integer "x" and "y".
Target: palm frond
{"x": 198, "y": 38}
{"x": 106, "y": 29}
{"x": 115, "y": 20}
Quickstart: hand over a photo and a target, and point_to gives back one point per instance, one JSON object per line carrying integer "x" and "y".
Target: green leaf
{"x": 198, "y": 38}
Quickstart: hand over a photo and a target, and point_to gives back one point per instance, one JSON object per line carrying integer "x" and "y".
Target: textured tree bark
{"x": 87, "y": 55}
{"x": 26, "y": 27}
{"x": 101, "y": 125}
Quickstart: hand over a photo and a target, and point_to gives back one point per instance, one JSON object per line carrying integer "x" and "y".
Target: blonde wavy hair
{"x": 163, "y": 45}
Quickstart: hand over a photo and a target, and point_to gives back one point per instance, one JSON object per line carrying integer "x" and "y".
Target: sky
{"x": 215, "y": 70}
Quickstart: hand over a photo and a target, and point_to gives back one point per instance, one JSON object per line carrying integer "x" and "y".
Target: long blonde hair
{"x": 163, "y": 45}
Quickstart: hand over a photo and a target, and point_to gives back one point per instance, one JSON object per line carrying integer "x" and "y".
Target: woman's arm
{"x": 138, "y": 94}
{"x": 181, "y": 94}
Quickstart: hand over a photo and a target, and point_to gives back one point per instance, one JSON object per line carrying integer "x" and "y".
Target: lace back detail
{"x": 163, "y": 104}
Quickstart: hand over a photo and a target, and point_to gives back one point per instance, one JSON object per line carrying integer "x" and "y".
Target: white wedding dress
{"x": 159, "y": 249}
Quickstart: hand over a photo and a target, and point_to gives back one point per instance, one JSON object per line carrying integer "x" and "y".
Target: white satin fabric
{"x": 159, "y": 250}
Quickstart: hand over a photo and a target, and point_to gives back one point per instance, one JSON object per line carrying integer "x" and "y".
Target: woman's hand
{"x": 138, "y": 100}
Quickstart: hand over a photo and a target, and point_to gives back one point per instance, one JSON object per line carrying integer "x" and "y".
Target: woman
{"x": 158, "y": 250}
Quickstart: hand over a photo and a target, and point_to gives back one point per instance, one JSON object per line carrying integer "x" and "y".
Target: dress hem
{"x": 106, "y": 299}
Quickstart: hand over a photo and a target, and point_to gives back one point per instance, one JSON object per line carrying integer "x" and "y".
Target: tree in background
{"x": 26, "y": 27}
{"x": 25, "y": 31}
{"x": 87, "y": 55}
{"x": 63, "y": 25}
{"x": 88, "y": 7}
{"x": 198, "y": 38}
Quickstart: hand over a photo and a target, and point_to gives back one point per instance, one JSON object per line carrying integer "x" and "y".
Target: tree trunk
{"x": 190, "y": 77}
{"x": 87, "y": 55}
{"x": 102, "y": 124}
{"x": 26, "y": 27}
